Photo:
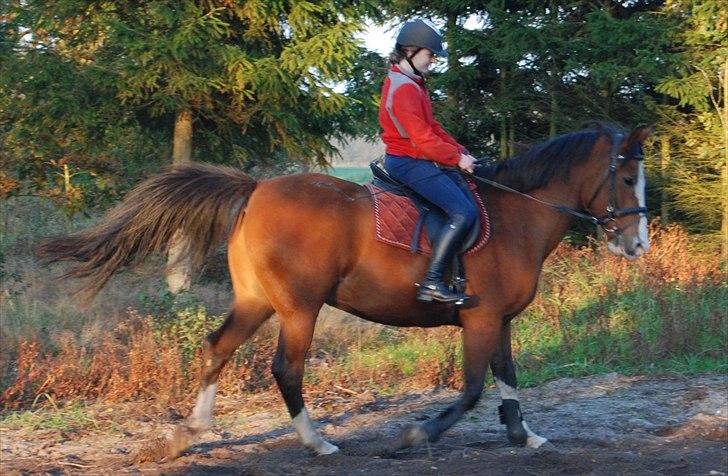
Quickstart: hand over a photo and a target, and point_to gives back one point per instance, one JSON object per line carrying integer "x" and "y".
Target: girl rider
{"x": 420, "y": 153}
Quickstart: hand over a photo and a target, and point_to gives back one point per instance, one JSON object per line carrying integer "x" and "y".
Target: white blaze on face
{"x": 640, "y": 193}
{"x": 510, "y": 393}
{"x": 639, "y": 243}
{"x": 309, "y": 437}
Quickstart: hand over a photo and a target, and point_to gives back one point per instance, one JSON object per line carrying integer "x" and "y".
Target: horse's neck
{"x": 531, "y": 226}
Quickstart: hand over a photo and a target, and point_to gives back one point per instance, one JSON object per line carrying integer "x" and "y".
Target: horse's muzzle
{"x": 629, "y": 249}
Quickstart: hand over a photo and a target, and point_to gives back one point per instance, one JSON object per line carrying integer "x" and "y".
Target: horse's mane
{"x": 537, "y": 166}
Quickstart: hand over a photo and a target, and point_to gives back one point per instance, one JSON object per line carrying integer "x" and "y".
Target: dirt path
{"x": 608, "y": 424}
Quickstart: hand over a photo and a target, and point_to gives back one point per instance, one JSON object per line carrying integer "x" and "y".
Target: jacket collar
{"x": 412, "y": 76}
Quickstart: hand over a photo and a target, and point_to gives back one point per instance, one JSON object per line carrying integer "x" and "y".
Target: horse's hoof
{"x": 183, "y": 437}
{"x": 535, "y": 441}
{"x": 517, "y": 435}
{"x": 325, "y": 448}
{"x": 412, "y": 435}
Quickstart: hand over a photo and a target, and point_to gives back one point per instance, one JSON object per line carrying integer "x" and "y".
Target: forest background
{"x": 97, "y": 95}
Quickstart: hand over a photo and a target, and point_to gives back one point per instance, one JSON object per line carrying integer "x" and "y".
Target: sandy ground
{"x": 601, "y": 425}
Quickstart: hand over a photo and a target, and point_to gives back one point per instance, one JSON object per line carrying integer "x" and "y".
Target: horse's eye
{"x": 629, "y": 181}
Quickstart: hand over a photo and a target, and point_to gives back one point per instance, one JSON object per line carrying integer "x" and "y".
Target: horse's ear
{"x": 641, "y": 133}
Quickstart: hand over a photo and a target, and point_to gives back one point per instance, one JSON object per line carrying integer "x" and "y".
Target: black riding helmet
{"x": 421, "y": 33}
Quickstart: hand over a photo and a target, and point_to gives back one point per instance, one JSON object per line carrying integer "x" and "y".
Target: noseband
{"x": 612, "y": 212}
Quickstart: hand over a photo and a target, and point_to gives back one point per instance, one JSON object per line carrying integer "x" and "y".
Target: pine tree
{"x": 258, "y": 79}
{"x": 538, "y": 68}
{"x": 699, "y": 123}
{"x": 252, "y": 82}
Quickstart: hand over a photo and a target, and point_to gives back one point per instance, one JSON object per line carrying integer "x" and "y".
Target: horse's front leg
{"x": 480, "y": 336}
{"x": 504, "y": 373}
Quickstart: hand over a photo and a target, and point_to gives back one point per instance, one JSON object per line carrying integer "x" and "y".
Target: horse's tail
{"x": 201, "y": 202}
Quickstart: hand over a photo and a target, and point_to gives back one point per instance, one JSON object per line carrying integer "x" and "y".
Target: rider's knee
{"x": 469, "y": 214}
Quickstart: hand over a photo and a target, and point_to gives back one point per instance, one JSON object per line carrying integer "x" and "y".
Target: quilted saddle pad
{"x": 396, "y": 216}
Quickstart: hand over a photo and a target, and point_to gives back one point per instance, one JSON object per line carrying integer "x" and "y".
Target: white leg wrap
{"x": 202, "y": 413}
{"x": 509, "y": 393}
{"x": 309, "y": 437}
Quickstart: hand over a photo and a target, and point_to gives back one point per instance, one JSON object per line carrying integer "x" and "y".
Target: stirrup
{"x": 458, "y": 285}
{"x": 439, "y": 292}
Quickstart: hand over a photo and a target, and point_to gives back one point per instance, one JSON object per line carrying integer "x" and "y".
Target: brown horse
{"x": 299, "y": 241}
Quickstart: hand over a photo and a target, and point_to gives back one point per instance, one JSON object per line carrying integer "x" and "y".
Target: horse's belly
{"x": 400, "y": 314}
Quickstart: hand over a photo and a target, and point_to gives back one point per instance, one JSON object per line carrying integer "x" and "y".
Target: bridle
{"x": 612, "y": 213}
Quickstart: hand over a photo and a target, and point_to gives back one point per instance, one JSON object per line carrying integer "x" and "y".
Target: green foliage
{"x": 181, "y": 317}
{"x": 61, "y": 134}
{"x": 534, "y": 69}
{"x": 90, "y": 91}
{"x": 639, "y": 331}
{"x": 72, "y": 418}
{"x": 697, "y": 125}
{"x": 353, "y": 174}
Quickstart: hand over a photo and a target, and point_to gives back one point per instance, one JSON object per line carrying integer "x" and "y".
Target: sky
{"x": 379, "y": 38}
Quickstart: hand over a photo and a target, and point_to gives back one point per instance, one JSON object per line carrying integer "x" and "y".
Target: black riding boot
{"x": 433, "y": 288}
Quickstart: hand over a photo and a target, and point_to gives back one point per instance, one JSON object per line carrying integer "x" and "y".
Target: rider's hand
{"x": 467, "y": 163}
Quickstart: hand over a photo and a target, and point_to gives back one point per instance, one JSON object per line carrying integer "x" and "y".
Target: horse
{"x": 298, "y": 241}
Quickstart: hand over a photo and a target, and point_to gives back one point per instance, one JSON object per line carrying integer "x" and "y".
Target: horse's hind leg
{"x": 241, "y": 323}
{"x": 504, "y": 374}
{"x": 293, "y": 344}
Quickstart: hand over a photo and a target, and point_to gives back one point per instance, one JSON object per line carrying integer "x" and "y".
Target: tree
{"x": 251, "y": 82}
{"x": 538, "y": 68}
{"x": 62, "y": 134}
{"x": 699, "y": 122}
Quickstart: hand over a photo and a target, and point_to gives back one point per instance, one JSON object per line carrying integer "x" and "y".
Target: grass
{"x": 359, "y": 175}
{"x": 594, "y": 313}
{"x": 74, "y": 418}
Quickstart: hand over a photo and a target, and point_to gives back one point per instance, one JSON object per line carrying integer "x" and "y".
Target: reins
{"x": 612, "y": 212}
{"x": 559, "y": 208}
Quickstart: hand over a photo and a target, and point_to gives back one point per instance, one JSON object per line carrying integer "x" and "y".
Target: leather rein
{"x": 612, "y": 213}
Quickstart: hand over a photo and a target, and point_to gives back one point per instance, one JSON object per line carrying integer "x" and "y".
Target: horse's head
{"x": 619, "y": 198}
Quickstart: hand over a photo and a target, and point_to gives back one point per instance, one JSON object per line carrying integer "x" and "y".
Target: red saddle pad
{"x": 396, "y": 216}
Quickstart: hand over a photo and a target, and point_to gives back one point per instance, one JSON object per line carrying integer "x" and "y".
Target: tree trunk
{"x": 553, "y": 75}
{"x": 664, "y": 179}
{"x": 724, "y": 223}
{"x": 724, "y": 171}
{"x": 554, "y": 113}
{"x": 503, "y": 117}
{"x": 179, "y": 267}
{"x": 453, "y": 63}
{"x": 511, "y": 136}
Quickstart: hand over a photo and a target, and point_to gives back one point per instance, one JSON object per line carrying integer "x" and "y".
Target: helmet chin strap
{"x": 409, "y": 61}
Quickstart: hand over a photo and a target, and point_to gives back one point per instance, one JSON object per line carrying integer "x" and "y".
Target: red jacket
{"x": 405, "y": 114}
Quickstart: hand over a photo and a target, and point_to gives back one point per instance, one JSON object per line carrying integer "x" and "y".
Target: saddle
{"x": 406, "y": 220}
